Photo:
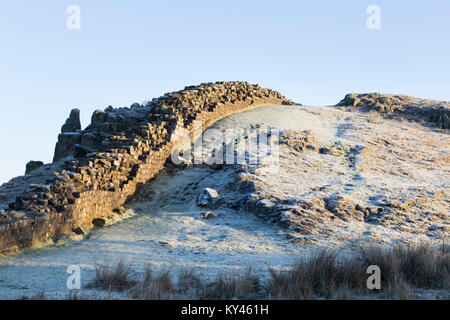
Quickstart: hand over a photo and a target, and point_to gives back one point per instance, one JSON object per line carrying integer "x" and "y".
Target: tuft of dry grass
{"x": 41, "y": 295}
{"x": 189, "y": 283}
{"x": 399, "y": 289}
{"x": 244, "y": 286}
{"x": 405, "y": 267}
{"x": 190, "y": 286}
{"x": 424, "y": 266}
{"x": 328, "y": 275}
{"x": 323, "y": 274}
{"x": 75, "y": 295}
{"x": 159, "y": 287}
{"x": 112, "y": 279}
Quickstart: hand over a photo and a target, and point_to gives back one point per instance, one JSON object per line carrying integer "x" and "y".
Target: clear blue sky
{"x": 126, "y": 51}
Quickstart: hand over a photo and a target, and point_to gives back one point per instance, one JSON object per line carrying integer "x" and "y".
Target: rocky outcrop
{"x": 69, "y": 137}
{"x": 73, "y": 123}
{"x": 437, "y": 112}
{"x": 33, "y": 165}
{"x": 103, "y": 165}
{"x": 209, "y": 198}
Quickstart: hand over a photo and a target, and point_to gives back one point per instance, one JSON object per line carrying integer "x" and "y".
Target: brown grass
{"x": 189, "y": 283}
{"x": 190, "y": 286}
{"x": 404, "y": 268}
{"x": 323, "y": 274}
{"x": 75, "y": 295}
{"x": 326, "y": 274}
{"x": 233, "y": 286}
{"x": 112, "y": 279}
{"x": 41, "y": 295}
{"x": 153, "y": 287}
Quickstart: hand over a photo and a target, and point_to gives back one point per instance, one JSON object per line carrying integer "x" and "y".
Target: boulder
{"x": 98, "y": 118}
{"x": 66, "y": 145}
{"x": 265, "y": 207}
{"x": 350, "y": 100}
{"x": 33, "y": 165}
{"x": 99, "y": 222}
{"x": 208, "y": 215}
{"x": 79, "y": 231}
{"x": 324, "y": 150}
{"x": 209, "y": 198}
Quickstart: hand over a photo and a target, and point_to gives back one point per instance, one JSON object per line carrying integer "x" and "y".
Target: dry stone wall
{"x": 103, "y": 165}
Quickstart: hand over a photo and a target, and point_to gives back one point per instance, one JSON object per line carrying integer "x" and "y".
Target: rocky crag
{"x": 401, "y": 107}
{"x": 97, "y": 169}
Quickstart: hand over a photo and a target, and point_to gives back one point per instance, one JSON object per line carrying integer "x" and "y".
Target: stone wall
{"x": 103, "y": 165}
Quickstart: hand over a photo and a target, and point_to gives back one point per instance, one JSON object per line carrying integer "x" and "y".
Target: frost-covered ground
{"x": 348, "y": 178}
{"x": 167, "y": 232}
{"x": 327, "y": 191}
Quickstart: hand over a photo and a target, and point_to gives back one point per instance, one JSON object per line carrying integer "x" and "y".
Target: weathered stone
{"x": 80, "y": 151}
{"x": 209, "y": 198}
{"x": 98, "y": 118}
{"x": 60, "y": 208}
{"x": 208, "y": 215}
{"x": 90, "y": 140}
{"x": 265, "y": 207}
{"x": 18, "y": 215}
{"x": 99, "y": 222}
{"x": 399, "y": 106}
{"x": 79, "y": 231}
{"x": 33, "y": 165}
{"x": 66, "y": 145}
{"x": 73, "y": 123}
{"x": 39, "y": 188}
